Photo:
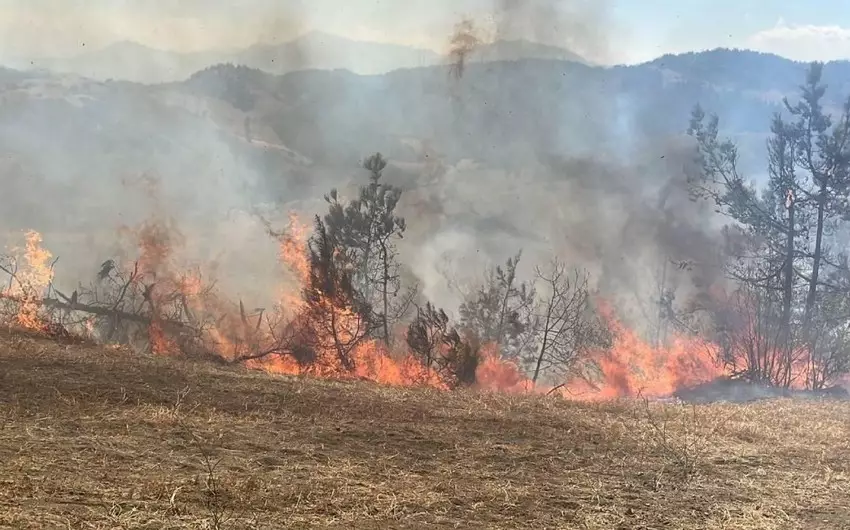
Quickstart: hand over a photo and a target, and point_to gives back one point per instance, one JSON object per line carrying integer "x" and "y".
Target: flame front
{"x": 631, "y": 367}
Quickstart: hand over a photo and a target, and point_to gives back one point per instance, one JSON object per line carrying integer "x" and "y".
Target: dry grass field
{"x": 99, "y": 438}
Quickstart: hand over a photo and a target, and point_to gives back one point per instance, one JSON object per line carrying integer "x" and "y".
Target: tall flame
{"x": 33, "y": 277}
{"x": 634, "y": 367}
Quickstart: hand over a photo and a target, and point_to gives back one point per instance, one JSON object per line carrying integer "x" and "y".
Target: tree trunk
{"x": 544, "y": 345}
{"x": 788, "y": 279}
{"x": 787, "y": 296}
{"x": 503, "y": 310}
{"x": 385, "y": 280}
{"x": 816, "y": 259}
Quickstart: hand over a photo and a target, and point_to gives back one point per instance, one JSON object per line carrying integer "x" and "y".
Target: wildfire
{"x": 634, "y": 367}
{"x": 631, "y": 367}
{"x": 156, "y": 242}
{"x": 32, "y": 277}
{"x": 502, "y": 375}
{"x": 292, "y": 253}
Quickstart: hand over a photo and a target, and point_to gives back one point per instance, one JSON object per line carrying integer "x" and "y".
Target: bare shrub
{"x": 682, "y": 439}
{"x": 565, "y": 325}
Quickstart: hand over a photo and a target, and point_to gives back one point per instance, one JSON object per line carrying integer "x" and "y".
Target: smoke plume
{"x": 577, "y": 25}
{"x": 80, "y": 156}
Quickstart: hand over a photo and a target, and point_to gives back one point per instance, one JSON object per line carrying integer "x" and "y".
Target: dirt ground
{"x": 100, "y": 438}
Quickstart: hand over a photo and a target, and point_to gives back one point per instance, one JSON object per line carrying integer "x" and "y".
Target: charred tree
{"x": 566, "y": 326}
{"x": 440, "y": 347}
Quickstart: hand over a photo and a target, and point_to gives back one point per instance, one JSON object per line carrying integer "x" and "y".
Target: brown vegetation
{"x": 101, "y": 438}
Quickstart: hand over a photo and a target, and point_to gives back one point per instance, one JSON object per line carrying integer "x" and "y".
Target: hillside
{"x": 233, "y": 141}
{"x": 500, "y": 111}
{"x": 104, "y": 439}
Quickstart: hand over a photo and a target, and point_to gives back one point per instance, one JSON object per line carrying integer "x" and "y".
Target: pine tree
{"x": 367, "y": 228}
{"x": 786, "y": 256}
{"x": 822, "y": 160}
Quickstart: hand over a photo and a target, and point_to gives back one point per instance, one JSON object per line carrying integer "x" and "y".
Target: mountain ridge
{"x": 132, "y": 61}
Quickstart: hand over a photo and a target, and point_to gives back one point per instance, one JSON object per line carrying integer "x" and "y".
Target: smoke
{"x": 738, "y": 391}
{"x": 80, "y": 193}
{"x": 463, "y": 42}
{"x": 577, "y": 25}
{"x": 84, "y": 160}
{"x": 583, "y": 180}
{"x": 575, "y": 180}
{"x": 623, "y": 224}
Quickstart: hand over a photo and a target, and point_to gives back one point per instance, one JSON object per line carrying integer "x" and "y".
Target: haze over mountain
{"x": 531, "y": 153}
{"x": 130, "y": 61}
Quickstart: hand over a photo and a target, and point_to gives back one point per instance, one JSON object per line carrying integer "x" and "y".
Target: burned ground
{"x": 101, "y": 438}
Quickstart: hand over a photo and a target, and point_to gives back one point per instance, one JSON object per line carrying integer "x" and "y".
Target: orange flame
{"x": 631, "y": 367}
{"x": 32, "y": 280}
{"x": 373, "y": 362}
{"x": 498, "y": 374}
{"x": 293, "y": 254}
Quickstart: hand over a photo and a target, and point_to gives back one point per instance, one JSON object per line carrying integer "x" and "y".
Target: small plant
{"x": 219, "y": 516}
{"x": 214, "y": 498}
{"x": 682, "y": 439}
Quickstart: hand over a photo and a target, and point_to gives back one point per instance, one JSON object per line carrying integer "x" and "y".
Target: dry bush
{"x": 682, "y": 437}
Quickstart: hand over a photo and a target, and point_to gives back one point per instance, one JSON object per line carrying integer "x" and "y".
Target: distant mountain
{"x": 505, "y": 107}
{"x": 515, "y": 50}
{"x": 129, "y": 61}
{"x": 501, "y": 111}
{"x": 322, "y": 51}
{"x": 736, "y": 69}
{"x": 134, "y": 62}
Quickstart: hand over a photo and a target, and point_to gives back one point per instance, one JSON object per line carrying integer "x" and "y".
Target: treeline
{"x": 788, "y": 321}
{"x": 785, "y": 320}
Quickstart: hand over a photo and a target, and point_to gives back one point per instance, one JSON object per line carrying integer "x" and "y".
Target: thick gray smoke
{"x": 626, "y": 225}
{"x": 578, "y": 25}
{"x": 493, "y": 161}
{"x": 597, "y": 191}
{"x": 83, "y": 160}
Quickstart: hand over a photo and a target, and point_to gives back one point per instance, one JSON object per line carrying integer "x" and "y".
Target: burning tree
{"x": 500, "y": 310}
{"x": 441, "y": 348}
{"x": 565, "y": 327}
{"x": 336, "y": 317}
{"x": 366, "y": 229}
{"x": 30, "y": 280}
{"x": 786, "y": 299}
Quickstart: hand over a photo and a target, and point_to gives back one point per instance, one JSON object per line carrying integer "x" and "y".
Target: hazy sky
{"x": 612, "y": 30}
